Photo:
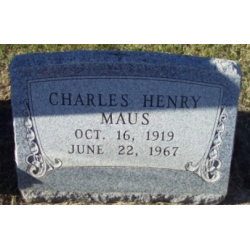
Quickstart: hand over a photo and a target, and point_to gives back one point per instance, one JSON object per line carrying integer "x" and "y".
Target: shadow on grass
{"x": 8, "y": 177}
{"x": 239, "y": 184}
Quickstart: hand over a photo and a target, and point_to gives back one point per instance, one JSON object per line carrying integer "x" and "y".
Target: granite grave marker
{"x": 130, "y": 126}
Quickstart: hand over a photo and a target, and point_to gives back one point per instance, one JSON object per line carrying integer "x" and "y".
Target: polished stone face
{"x": 124, "y": 126}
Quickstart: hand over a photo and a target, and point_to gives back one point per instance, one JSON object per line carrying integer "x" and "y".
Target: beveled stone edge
{"x": 37, "y": 196}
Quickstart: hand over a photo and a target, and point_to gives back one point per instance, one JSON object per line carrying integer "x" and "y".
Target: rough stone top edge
{"x": 123, "y": 57}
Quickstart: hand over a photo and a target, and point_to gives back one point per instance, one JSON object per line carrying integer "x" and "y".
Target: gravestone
{"x": 123, "y": 126}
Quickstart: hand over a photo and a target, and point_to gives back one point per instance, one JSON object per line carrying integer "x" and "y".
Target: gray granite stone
{"x": 123, "y": 126}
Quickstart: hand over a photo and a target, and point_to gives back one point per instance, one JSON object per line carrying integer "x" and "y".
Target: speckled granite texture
{"x": 71, "y": 112}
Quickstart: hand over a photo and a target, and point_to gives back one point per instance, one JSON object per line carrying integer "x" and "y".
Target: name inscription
{"x": 123, "y": 100}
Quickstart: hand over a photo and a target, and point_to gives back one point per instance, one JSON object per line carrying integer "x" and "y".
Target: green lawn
{"x": 239, "y": 186}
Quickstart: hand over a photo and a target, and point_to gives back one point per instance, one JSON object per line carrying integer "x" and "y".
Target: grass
{"x": 239, "y": 186}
